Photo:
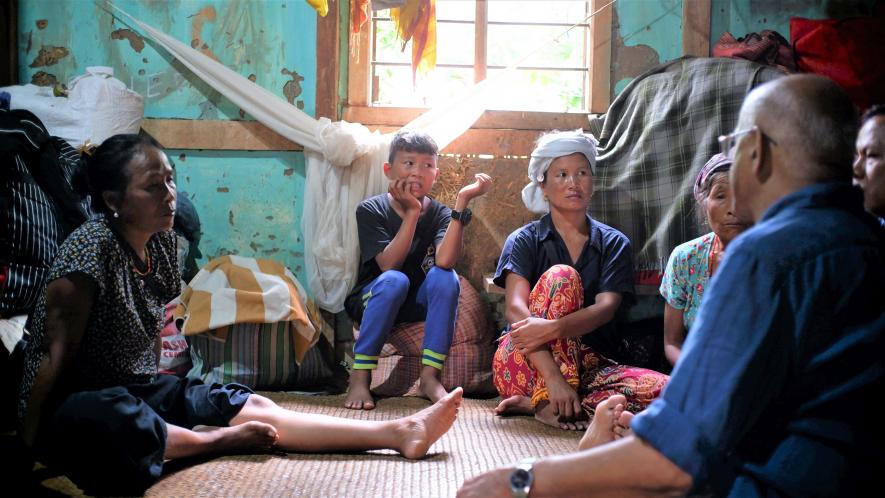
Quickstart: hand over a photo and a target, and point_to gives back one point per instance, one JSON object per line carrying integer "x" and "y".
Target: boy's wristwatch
{"x": 462, "y": 216}
{"x": 522, "y": 478}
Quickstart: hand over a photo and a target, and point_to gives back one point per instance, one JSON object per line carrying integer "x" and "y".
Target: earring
{"x": 116, "y": 214}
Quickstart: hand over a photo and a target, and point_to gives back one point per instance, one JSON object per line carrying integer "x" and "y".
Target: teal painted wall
{"x": 649, "y": 32}
{"x": 249, "y": 203}
{"x": 747, "y": 16}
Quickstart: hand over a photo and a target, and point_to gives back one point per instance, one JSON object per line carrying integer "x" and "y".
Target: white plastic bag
{"x": 98, "y": 106}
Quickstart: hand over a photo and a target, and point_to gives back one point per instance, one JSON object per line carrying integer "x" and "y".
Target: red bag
{"x": 767, "y": 47}
{"x": 848, "y": 51}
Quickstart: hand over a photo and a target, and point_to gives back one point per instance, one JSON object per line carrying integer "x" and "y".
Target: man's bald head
{"x": 811, "y": 119}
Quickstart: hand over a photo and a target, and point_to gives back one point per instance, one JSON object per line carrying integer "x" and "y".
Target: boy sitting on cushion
{"x": 409, "y": 244}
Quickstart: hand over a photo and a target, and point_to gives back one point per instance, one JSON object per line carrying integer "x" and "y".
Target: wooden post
{"x": 600, "y": 56}
{"x": 696, "y": 27}
{"x": 327, "y": 63}
{"x": 358, "y": 73}
{"x": 480, "y": 43}
{"x": 9, "y": 43}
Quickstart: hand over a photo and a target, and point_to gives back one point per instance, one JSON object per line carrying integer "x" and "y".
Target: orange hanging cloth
{"x": 359, "y": 14}
{"x": 416, "y": 21}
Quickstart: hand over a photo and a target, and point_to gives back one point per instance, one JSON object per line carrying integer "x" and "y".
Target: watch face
{"x": 520, "y": 478}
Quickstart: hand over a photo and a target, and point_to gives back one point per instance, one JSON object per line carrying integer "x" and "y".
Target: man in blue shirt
{"x": 774, "y": 392}
{"x": 869, "y": 160}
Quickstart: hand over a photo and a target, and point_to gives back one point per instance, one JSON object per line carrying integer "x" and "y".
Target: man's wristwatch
{"x": 522, "y": 478}
{"x": 462, "y": 216}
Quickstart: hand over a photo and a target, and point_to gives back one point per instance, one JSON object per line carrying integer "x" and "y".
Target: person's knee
{"x": 259, "y": 402}
{"x": 562, "y": 271}
{"x": 394, "y": 282}
{"x": 443, "y": 283}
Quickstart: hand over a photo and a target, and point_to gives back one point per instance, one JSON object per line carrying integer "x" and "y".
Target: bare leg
{"x": 430, "y": 384}
{"x": 252, "y": 436}
{"x": 358, "y": 395}
{"x": 412, "y": 436}
{"x": 515, "y": 405}
{"x": 602, "y": 429}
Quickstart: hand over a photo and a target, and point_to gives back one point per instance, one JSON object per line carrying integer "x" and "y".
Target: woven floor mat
{"x": 478, "y": 441}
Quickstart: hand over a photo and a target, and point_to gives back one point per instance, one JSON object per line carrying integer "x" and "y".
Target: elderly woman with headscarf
{"x": 565, "y": 276}
{"x": 692, "y": 264}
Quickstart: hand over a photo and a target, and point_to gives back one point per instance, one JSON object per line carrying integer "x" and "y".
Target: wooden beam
{"x": 495, "y": 120}
{"x": 215, "y": 135}
{"x": 480, "y": 37}
{"x": 327, "y": 63}
{"x": 600, "y": 55}
{"x": 496, "y": 143}
{"x": 696, "y": 27}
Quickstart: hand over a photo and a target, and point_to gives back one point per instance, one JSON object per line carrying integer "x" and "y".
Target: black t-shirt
{"x": 378, "y": 224}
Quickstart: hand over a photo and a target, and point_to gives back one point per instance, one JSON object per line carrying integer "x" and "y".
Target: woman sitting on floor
{"x": 92, "y": 402}
{"x": 564, "y": 276}
{"x": 693, "y": 263}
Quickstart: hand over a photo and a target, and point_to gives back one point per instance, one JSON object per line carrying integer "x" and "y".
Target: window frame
{"x": 520, "y": 128}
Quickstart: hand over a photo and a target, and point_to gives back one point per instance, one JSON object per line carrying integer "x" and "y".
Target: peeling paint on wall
{"x": 292, "y": 88}
{"x": 42, "y": 23}
{"x": 49, "y": 55}
{"x": 135, "y": 41}
{"x": 205, "y": 14}
{"x": 42, "y": 78}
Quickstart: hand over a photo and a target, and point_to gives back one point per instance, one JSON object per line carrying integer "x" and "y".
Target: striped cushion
{"x": 258, "y": 355}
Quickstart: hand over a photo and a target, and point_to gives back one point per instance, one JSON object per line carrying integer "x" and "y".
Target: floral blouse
{"x": 686, "y": 276}
{"x": 117, "y": 347}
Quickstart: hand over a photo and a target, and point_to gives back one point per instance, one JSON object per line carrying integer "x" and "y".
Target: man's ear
{"x": 387, "y": 168}
{"x": 760, "y": 159}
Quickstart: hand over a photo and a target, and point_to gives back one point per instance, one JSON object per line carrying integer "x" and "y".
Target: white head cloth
{"x": 551, "y": 146}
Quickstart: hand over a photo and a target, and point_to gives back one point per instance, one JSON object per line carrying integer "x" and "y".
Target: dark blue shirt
{"x": 774, "y": 391}
{"x": 605, "y": 263}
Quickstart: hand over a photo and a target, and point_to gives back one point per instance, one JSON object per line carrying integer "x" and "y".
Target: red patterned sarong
{"x": 559, "y": 293}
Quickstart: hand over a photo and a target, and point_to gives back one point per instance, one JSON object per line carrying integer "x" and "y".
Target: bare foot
{"x": 515, "y": 405}
{"x": 622, "y": 427}
{"x": 419, "y": 431}
{"x": 358, "y": 395}
{"x": 246, "y": 437}
{"x": 544, "y": 413}
{"x": 430, "y": 386}
{"x": 601, "y": 430}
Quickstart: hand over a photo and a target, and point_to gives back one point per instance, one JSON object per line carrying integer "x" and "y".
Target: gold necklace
{"x": 135, "y": 265}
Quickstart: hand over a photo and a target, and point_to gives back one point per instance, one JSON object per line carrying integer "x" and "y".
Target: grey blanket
{"x": 654, "y": 138}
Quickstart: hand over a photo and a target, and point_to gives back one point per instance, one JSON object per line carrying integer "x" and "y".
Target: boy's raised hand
{"x": 482, "y": 185}
{"x": 402, "y": 195}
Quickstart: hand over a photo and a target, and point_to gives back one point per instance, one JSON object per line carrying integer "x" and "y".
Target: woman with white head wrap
{"x": 550, "y": 147}
{"x": 565, "y": 276}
